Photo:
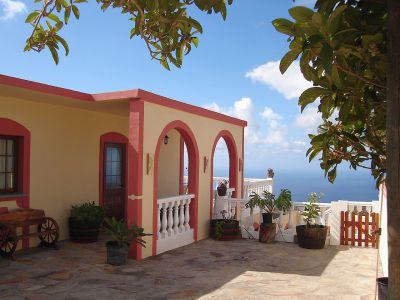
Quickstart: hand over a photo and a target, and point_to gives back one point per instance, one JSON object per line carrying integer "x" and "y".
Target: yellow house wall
{"x": 64, "y": 153}
{"x": 168, "y": 166}
{"x": 205, "y": 130}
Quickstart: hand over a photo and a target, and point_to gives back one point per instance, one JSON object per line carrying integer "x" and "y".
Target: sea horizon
{"x": 349, "y": 185}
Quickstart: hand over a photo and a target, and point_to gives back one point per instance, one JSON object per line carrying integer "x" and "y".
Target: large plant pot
{"x": 382, "y": 288}
{"x": 267, "y": 233}
{"x": 116, "y": 255}
{"x": 83, "y": 231}
{"x": 225, "y": 230}
{"x": 221, "y": 190}
{"x": 267, "y": 218}
{"x": 312, "y": 237}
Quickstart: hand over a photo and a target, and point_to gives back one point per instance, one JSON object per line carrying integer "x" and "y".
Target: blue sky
{"x": 234, "y": 71}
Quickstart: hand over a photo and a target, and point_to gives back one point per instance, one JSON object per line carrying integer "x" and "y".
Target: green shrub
{"x": 89, "y": 212}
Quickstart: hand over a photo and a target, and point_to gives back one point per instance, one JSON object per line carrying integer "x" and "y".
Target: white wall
{"x": 383, "y": 243}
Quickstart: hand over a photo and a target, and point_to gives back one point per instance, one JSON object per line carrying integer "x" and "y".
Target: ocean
{"x": 349, "y": 185}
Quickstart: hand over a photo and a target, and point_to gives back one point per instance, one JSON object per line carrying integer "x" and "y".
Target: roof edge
{"x": 44, "y": 88}
{"x": 128, "y": 94}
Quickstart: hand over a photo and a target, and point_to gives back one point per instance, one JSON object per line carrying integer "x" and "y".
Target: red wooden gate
{"x": 359, "y": 229}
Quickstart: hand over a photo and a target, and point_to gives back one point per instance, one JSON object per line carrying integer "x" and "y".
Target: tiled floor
{"x": 242, "y": 269}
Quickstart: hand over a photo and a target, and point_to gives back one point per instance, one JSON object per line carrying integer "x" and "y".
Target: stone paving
{"x": 242, "y": 269}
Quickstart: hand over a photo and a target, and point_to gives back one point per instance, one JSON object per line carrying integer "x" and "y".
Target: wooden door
{"x": 114, "y": 180}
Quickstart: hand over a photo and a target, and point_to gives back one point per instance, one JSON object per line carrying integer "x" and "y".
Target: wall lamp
{"x": 166, "y": 138}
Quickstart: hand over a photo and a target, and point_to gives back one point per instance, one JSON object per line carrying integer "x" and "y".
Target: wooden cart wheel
{"x": 48, "y": 232}
{"x": 8, "y": 240}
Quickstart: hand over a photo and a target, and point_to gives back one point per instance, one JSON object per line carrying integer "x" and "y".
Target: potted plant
{"x": 311, "y": 235}
{"x": 222, "y": 188}
{"x": 121, "y": 238}
{"x": 268, "y": 203}
{"x": 225, "y": 229}
{"x": 85, "y": 221}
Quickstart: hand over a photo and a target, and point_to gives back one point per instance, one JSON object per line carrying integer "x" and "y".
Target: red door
{"x": 114, "y": 180}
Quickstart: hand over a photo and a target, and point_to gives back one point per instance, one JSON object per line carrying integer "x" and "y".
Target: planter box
{"x": 83, "y": 231}
{"x": 312, "y": 237}
{"x": 230, "y": 229}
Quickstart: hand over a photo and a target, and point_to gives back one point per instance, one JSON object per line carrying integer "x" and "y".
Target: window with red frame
{"x": 8, "y": 164}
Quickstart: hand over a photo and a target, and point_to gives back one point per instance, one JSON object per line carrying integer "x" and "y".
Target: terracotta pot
{"x": 313, "y": 237}
{"x": 267, "y": 233}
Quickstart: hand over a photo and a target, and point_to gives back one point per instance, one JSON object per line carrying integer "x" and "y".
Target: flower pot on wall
{"x": 312, "y": 237}
{"x": 221, "y": 190}
{"x": 83, "y": 231}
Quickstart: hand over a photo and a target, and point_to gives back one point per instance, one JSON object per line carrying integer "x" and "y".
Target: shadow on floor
{"x": 243, "y": 269}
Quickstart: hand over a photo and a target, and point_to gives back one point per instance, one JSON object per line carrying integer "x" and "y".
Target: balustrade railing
{"x": 173, "y": 224}
{"x": 257, "y": 186}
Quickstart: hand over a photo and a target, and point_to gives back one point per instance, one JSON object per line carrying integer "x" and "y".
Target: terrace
{"x": 208, "y": 269}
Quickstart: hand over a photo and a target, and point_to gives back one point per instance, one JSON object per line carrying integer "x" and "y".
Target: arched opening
{"x": 169, "y": 171}
{"x": 224, "y": 137}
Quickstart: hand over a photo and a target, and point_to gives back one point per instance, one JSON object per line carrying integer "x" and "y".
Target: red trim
{"x": 167, "y": 102}
{"x": 242, "y": 163}
{"x": 193, "y": 184}
{"x": 111, "y": 137}
{"x": 135, "y": 166}
{"x": 118, "y": 95}
{"x": 233, "y": 163}
{"x": 43, "y": 88}
{"x": 181, "y": 166}
{"x": 3, "y": 210}
{"x": 10, "y": 127}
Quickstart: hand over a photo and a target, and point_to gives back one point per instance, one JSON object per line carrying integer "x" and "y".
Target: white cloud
{"x": 272, "y": 136}
{"x": 309, "y": 119}
{"x": 10, "y": 8}
{"x": 212, "y": 106}
{"x": 290, "y": 85}
{"x": 269, "y": 114}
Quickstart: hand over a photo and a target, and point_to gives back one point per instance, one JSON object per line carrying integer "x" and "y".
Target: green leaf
{"x": 67, "y": 13}
{"x": 332, "y": 175}
{"x": 75, "y": 10}
{"x": 310, "y": 95}
{"x": 54, "y": 54}
{"x": 334, "y": 19}
{"x": 32, "y": 16}
{"x": 336, "y": 78}
{"x": 195, "y": 24}
{"x": 63, "y": 42}
{"x": 195, "y": 41}
{"x": 288, "y": 59}
{"x": 284, "y": 26}
{"x": 164, "y": 63}
{"x": 301, "y": 13}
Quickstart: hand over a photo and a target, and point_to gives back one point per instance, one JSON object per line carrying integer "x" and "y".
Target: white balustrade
{"x": 173, "y": 226}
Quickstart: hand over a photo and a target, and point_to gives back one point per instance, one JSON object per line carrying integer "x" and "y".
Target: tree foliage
{"x": 166, "y": 27}
{"x": 341, "y": 47}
